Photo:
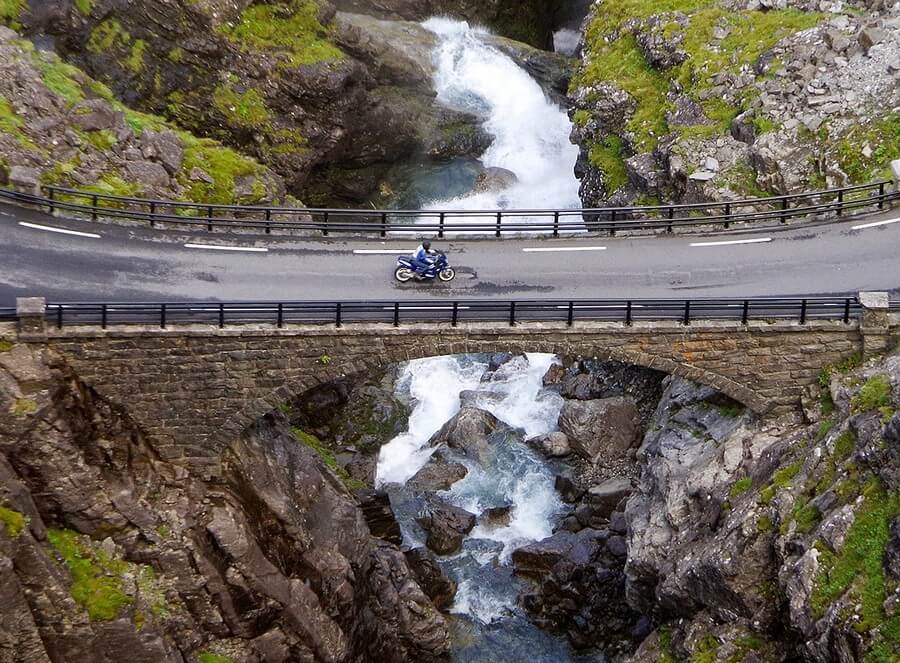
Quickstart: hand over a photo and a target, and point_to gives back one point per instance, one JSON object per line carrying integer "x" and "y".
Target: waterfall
{"x": 531, "y": 132}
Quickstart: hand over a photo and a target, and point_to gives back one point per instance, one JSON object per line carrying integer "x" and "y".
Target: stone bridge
{"x": 195, "y": 388}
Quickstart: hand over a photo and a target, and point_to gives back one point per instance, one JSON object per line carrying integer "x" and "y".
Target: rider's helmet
{"x": 426, "y": 245}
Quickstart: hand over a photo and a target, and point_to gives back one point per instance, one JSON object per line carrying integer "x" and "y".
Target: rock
{"x": 27, "y": 180}
{"x": 539, "y": 558}
{"x": 742, "y": 128}
{"x": 567, "y": 488}
{"x": 95, "y": 115}
{"x": 199, "y": 175}
{"x": 868, "y": 37}
{"x": 601, "y": 430}
{"x": 552, "y": 445}
{"x": 494, "y": 179}
{"x": 687, "y": 113}
{"x": 147, "y": 173}
{"x": 454, "y": 134}
{"x": 837, "y": 41}
{"x": 552, "y": 71}
{"x": 471, "y": 432}
{"x": 431, "y": 577}
{"x": 164, "y": 147}
{"x": 498, "y": 516}
{"x": 702, "y": 175}
{"x": 445, "y": 524}
{"x": 440, "y": 473}
{"x": 606, "y": 496}
{"x": 376, "y": 509}
{"x": 711, "y": 164}
{"x": 892, "y": 552}
{"x": 479, "y": 399}
{"x": 892, "y": 430}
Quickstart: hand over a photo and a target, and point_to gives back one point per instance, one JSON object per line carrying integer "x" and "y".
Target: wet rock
{"x": 552, "y": 71}
{"x": 471, "y": 432}
{"x": 478, "y": 398}
{"x": 498, "y": 516}
{"x": 454, "y": 134}
{"x": 601, "y": 430}
{"x": 552, "y": 445}
{"x": 567, "y": 488}
{"x": 445, "y": 524}
{"x": 431, "y": 577}
{"x": 440, "y": 473}
{"x": 376, "y": 509}
{"x": 592, "y": 379}
{"x": 606, "y": 496}
{"x": 540, "y": 557}
{"x": 494, "y": 179}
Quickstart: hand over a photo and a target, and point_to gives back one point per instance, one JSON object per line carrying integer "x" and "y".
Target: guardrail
{"x": 338, "y": 313}
{"x": 667, "y": 218}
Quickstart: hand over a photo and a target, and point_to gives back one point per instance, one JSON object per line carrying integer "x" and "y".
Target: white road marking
{"x": 382, "y": 252}
{"x": 59, "y": 230}
{"x": 876, "y": 224}
{"x": 759, "y": 240}
{"x": 426, "y": 308}
{"x": 565, "y": 248}
{"x": 213, "y": 247}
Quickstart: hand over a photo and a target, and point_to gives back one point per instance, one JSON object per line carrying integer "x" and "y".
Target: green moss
{"x": 290, "y": 28}
{"x": 742, "y": 179}
{"x": 10, "y": 10}
{"x": 607, "y": 156}
{"x": 84, "y": 6}
{"x": 824, "y": 428}
{"x": 24, "y": 406}
{"x": 764, "y": 525}
{"x": 706, "y": 651}
{"x": 14, "y": 522}
{"x": 107, "y": 36}
{"x": 731, "y": 410}
{"x": 740, "y": 487}
{"x": 112, "y": 184}
{"x": 102, "y": 140}
{"x": 14, "y": 125}
{"x": 806, "y": 516}
{"x": 327, "y": 456}
{"x": 247, "y": 109}
{"x": 883, "y": 139}
{"x": 96, "y": 578}
{"x": 840, "y": 368}
{"x": 6, "y": 346}
{"x": 874, "y": 394}
{"x": 209, "y": 657}
{"x": 222, "y": 164}
{"x": 783, "y": 477}
{"x": 581, "y": 117}
{"x": 858, "y": 570}
{"x": 135, "y": 60}
{"x": 665, "y": 647}
{"x": 176, "y": 55}
{"x": 844, "y": 445}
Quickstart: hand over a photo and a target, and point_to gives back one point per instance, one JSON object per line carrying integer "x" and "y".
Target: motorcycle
{"x": 440, "y": 269}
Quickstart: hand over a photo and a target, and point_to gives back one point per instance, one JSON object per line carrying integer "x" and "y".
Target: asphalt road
{"x": 116, "y": 263}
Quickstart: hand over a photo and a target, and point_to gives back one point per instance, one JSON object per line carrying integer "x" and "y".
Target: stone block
{"x": 31, "y": 312}
{"x": 26, "y": 180}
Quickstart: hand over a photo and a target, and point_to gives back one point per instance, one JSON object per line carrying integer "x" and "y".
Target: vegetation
{"x": 209, "y": 657}
{"x": 14, "y": 522}
{"x": 84, "y": 6}
{"x": 874, "y": 394}
{"x": 857, "y": 570}
{"x": 706, "y": 651}
{"x": 24, "y": 406}
{"x": 740, "y": 487}
{"x": 12, "y": 124}
{"x": 247, "y": 110}
{"x": 6, "y": 346}
{"x": 607, "y": 156}
{"x": 290, "y": 28}
{"x": 883, "y": 139}
{"x": 327, "y": 456}
{"x": 10, "y": 10}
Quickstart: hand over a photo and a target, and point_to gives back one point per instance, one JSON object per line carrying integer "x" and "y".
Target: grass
{"x": 13, "y": 521}
{"x": 665, "y": 647}
{"x": 289, "y": 28}
{"x": 882, "y": 137}
{"x": 731, "y": 410}
{"x": 223, "y": 165}
{"x": 740, "y": 487}
{"x": 209, "y": 657}
{"x": 10, "y": 10}
{"x": 135, "y": 60}
{"x": 764, "y": 525}
{"x": 327, "y": 456}
{"x": 84, "y": 6}
{"x": 874, "y": 394}
{"x": 844, "y": 445}
{"x": 858, "y": 569}
{"x": 780, "y": 480}
{"x": 706, "y": 651}
{"x": 824, "y": 428}
{"x": 607, "y": 156}
{"x": 247, "y": 110}
{"x": 12, "y": 124}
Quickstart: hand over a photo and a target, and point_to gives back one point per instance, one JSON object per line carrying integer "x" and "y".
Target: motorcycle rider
{"x": 423, "y": 258}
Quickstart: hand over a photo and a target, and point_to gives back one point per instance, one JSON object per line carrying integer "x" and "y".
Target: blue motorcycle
{"x": 440, "y": 269}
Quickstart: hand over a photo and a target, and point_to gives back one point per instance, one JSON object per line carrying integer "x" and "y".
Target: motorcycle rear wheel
{"x": 447, "y": 275}
{"x": 403, "y": 274}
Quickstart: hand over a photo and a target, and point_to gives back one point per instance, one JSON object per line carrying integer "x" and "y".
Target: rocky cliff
{"x": 694, "y": 100}
{"x": 108, "y": 553}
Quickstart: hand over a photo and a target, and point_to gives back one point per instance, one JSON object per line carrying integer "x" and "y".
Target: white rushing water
{"x": 531, "y": 132}
{"x": 515, "y": 477}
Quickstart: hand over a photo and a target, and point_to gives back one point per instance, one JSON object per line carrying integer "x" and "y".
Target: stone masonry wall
{"x": 194, "y": 389}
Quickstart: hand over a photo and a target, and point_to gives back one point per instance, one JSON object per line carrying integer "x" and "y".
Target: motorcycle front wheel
{"x": 403, "y": 274}
{"x": 447, "y": 275}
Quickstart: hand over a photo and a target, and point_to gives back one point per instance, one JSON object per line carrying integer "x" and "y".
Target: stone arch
{"x": 325, "y": 373}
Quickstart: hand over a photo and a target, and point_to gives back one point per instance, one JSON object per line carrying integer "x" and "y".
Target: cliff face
{"x": 710, "y": 99}
{"x": 109, "y": 554}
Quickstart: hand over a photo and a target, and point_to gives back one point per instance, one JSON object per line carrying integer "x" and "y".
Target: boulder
{"x": 27, "y": 180}
{"x": 567, "y": 488}
{"x": 164, "y": 147}
{"x": 439, "y": 473}
{"x": 147, "y": 173}
{"x": 445, "y": 524}
{"x": 376, "y": 509}
{"x": 431, "y": 577}
{"x": 494, "y": 179}
{"x": 601, "y": 430}
{"x": 95, "y": 115}
{"x": 552, "y": 445}
{"x": 471, "y": 433}
{"x": 868, "y": 37}
{"x": 497, "y": 516}
{"x": 606, "y": 496}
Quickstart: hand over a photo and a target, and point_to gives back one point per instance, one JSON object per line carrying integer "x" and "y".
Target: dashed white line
{"x": 62, "y": 231}
{"x": 564, "y": 248}
{"x": 382, "y": 252}
{"x": 876, "y": 224}
{"x": 213, "y": 247}
{"x": 759, "y": 240}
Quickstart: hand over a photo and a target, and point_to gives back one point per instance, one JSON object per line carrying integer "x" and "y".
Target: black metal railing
{"x": 666, "y": 218}
{"x": 8, "y": 313}
{"x": 396, "y": 313}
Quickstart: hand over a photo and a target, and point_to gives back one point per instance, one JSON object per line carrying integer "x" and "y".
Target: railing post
{"x": 687, "y": 312}
{"x": 455, "y": 315}
{"x": 94, "y": 207}
{"x": 840, "y": 209}
{"x": 556, "y": 224}
{"x": 875, "y": 322}
{"x": 803, "y": 312}
{"x": 612, "y": 220}
{"x": 31, "y": 313}
{"x": 628, "y": 314}
{"x": 396, "y": 314}
{"x": 727, "y": 214}
{"x": 784, "y": 206}
{"x": 499, "y": 220}
{"x": 671, "y": 216}
{"x": 745, "y": 316}
{"x": 51, "y": 205}
{"x": 280, "y": 315}
{"x": 847, "y": 311}
{"x": 268, "y": 220}
{"x": 337, "y": 315}
{"x": 152, "y": 215}
{"x": 441, "y": 225}
{"x": 103, "y": 316}
{"x": 571, "y": 319}
{"x": 325, "y": 224}
{"x": 512, "y": 314}
{"x": 221, "y": 316}
{"x": 881, "y": 195}
{"x": 59, "y": 316}
{"x": 209, "y": 216}
{"x": 384, "y": 224}
{"x": 162, "y": 316}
